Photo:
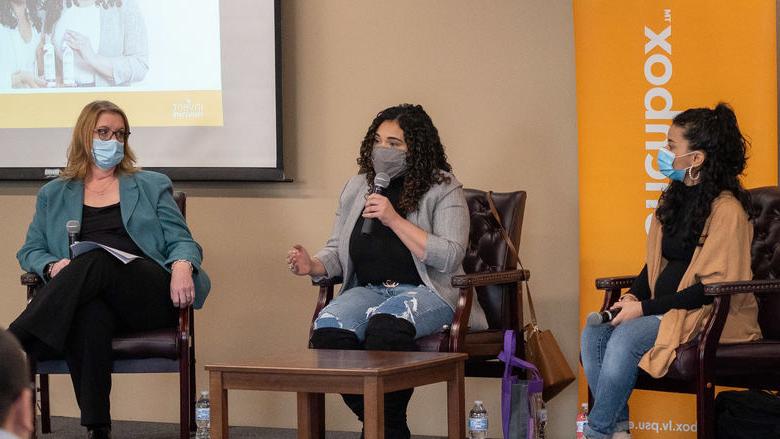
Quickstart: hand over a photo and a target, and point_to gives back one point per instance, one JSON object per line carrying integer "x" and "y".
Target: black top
{"x": 678, "y": 255}
{"x": 381, "y": 255}
{"x": 104, "y": 226}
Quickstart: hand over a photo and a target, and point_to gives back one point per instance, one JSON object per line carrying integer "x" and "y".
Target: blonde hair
{"x": 80, "y": 149}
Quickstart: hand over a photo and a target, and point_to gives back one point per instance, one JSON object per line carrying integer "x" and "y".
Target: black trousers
{"x": 82, "y": 307}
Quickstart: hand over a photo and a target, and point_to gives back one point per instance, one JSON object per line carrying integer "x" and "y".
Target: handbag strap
{"x": 512, "y": 249}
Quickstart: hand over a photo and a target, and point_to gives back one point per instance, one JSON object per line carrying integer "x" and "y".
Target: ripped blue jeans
{"x": 419, "y": 305}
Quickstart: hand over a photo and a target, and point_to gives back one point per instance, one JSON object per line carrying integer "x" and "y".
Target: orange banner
{"x": 639, "y": 63}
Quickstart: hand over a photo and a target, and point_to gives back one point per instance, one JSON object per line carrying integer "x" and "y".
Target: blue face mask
{"x": 107, "y": 153}
{"x": 665, "y": 163}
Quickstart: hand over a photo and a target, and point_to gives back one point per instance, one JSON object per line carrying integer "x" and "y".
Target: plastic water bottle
{"x": 478, "y": 421}
{"x": 541, "y": 426}
{"x": 203, "y": 416}
{"x": 582, "y": 420}
{"x": 49, "y": 73}
{"x": 68, "y": 75}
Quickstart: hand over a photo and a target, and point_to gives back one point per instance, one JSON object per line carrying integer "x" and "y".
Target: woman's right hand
{"x": 58, "y": 266}
{"x": 298, "y": 260}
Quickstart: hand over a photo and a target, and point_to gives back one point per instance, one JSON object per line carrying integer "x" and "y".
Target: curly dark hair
{"x": 716, "y": 132}
{"x": 425, "y": 159}
{"x": 54, "y": 9}
{"x": 9, "y": 20}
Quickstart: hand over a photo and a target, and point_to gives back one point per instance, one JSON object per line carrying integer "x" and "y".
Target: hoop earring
{"x": 690, "y": 174}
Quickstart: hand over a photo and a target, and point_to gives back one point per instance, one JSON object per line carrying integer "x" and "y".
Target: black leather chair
{"x": 703, "y": 363}
{"x": 169, "y": 350}
{"x": 490, "y": 272}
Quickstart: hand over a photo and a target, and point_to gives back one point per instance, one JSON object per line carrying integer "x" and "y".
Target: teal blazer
{"x": 149, "y": 213}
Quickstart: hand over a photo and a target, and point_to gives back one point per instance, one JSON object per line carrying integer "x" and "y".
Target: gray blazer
{"x": 442, "y": 212}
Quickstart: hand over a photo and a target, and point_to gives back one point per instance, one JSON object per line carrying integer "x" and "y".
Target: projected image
{"x": 59, "y": 47}
{"x": 109, "y": 43}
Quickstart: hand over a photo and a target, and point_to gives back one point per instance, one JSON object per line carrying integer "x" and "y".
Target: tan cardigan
{"x": 723, "y": 256}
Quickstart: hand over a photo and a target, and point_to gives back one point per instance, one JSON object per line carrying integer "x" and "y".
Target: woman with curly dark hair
{"x": 397, "y": 276}
{"x": 700, "y": 234}
{"x": 20, "y": 42}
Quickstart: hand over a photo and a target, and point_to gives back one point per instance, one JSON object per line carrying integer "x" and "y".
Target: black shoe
{"x": 99, "y": 433}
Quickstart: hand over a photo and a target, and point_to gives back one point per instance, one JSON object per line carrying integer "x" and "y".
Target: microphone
{"x": 73, "y": 227}
{"x": 597, "y": 318}
{"x": 381, "y": 181}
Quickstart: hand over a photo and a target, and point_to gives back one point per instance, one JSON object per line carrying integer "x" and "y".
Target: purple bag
{"x": 517, "y": 395}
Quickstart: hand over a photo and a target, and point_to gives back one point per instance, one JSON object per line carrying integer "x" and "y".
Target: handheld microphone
{"x": 597, "y": 318}
{"x": 73, "y": 227}
{"x": 381, "y": 181}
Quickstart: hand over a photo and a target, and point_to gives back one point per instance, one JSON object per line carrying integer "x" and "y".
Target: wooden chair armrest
{"x": 740, "y": 287}
{"x": 460, "y": 320}
{"x": 616, "y": 282}
{"x": 327, "y": 282}
{"x": 710, "y": 337}
{"x": 31, "y": 280}
{"x": 489, "y": 278}
{"x": 185, "y": 321}
{"x": 612, "y": 286}
{"x": 324, "y": 296}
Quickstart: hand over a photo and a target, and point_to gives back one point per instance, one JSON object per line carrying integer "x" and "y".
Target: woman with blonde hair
{"x": 88, "y": 299}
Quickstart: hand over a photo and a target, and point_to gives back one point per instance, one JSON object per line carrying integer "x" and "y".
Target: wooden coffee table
{"x": 313, "y": 372}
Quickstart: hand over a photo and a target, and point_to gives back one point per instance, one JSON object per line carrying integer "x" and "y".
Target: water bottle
{"x": 49, "y": 72}
{"x": 478, "y": 421}
{"x": 68, "y": 75}
{"x": 541, "y": 432}
{"x": 582, "y": 420}
{"x": 203, "y": 416}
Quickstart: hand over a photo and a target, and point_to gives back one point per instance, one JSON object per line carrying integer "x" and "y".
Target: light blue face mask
{"x": 665, "y": 163}
{"x": 107, "y": 153}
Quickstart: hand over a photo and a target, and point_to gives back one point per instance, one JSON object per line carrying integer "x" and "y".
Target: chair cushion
{"x": 147, "y": 344}
{"x": 433, "y": 342}
{"x": 730, "y": 359}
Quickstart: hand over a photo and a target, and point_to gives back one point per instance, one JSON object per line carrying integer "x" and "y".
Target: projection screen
{"x": 200, "y": 81}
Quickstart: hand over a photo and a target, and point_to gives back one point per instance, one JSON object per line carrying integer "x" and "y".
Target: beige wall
{"x": 497, "y": 77}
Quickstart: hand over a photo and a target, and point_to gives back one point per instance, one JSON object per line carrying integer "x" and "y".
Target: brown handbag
{"x": 541, "y": 348}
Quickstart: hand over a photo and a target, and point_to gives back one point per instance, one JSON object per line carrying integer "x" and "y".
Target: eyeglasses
{"x": 106, "y": 134}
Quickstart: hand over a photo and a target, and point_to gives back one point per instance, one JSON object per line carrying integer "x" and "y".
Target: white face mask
{"x": 391, "y": 161}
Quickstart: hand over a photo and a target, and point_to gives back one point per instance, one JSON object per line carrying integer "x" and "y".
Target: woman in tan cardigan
{"x": 700, "y": 234}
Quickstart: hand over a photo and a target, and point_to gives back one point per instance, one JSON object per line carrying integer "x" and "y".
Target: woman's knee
{"x": 386, "y": 332}
{"x": 593, "y": 337}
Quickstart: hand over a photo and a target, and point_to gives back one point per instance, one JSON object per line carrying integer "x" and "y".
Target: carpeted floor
{"x": 69, "y": 428}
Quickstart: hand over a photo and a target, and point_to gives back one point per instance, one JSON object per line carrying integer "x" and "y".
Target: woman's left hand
{"x": 380, "y": 207}
{"x": 182, "y": 286}
{"x": 629, "y": 310}
{"x": 79, "y": 43}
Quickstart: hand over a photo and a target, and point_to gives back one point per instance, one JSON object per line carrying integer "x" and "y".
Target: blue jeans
{"x": 610, "y": 357}
{"x": 419, "y": 305}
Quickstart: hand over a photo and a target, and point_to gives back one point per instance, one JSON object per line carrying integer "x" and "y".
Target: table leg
{"x": 219, "y": 406}
{"x": 374, "y": 407}
{"x": 311, "y": 415}
{"x": 456, "y": 406}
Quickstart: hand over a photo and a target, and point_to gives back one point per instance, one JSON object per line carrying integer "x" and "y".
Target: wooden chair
{"x": 169, "y": 350}
{"x": 491, "y": 273}
{"x": 703, "y": 363}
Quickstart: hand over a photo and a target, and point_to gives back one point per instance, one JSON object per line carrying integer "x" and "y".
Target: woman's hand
{"x": 80, "y": 44}
{"x": 58, "y": 266}
{"x": 379, "y": 207}
{"x": 25, "y": 79}
{"x": 182, "y": 286}
{"x": 630, "y": 309}
{"x": 298, "y": 260}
